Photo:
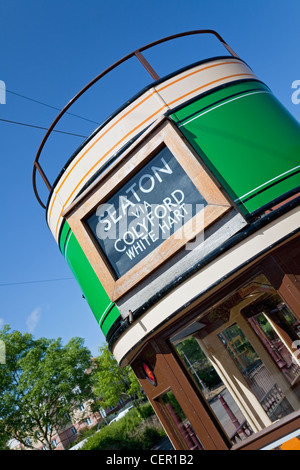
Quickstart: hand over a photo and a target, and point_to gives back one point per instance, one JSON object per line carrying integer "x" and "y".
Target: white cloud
{"x": 1, "y": 322}
{"x": 33, "y": 319}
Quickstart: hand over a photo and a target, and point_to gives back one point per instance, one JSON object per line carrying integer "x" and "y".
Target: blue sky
{"x": 48, "y": 51}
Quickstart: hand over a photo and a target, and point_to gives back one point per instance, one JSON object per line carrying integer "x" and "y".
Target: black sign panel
{"x": 157, "y": 201}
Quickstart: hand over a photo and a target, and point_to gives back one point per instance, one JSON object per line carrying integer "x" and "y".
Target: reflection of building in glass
{"x": 212, "y": 309}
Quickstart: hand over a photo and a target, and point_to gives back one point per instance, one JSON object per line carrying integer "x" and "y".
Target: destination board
{"x": 154, "y": 204}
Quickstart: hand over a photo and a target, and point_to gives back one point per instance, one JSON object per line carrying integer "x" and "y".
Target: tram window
{"x": 261, "y": 382}
{"x": 175, "y": 415}
{"x": 214, "y": 391}
{"x": 241, "y": 354}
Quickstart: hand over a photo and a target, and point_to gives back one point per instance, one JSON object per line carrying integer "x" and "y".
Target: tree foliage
{"x": 111, "y": 382}
{"x": 40, "y": 383}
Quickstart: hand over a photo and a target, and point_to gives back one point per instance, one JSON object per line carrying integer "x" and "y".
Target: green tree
{"x": 40, "y": 383}
{"x": 111, "y": 382}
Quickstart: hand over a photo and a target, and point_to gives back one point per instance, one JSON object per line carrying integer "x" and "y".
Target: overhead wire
{"x": 43, "y": 128}
{"x": 48, "y": 105}
{"x": 35, "y": 282}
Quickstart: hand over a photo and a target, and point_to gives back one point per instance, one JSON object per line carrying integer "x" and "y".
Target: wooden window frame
{"x": 132, "y": 160}
{"x": 172, "y": 377}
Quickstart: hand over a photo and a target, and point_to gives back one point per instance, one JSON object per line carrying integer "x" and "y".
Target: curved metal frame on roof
{"x": 138, "y": 54}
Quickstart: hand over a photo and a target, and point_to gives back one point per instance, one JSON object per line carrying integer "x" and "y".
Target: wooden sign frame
{"x": 131, "y": 161}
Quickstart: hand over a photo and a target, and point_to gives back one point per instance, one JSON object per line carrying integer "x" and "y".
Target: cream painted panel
{"x": 203, "y": 79}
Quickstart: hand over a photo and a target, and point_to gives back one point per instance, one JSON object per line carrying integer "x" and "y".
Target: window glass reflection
{"x": 241, "y": 355}
{"x": 213, "y": 389}
{"x": 184, "y": 428}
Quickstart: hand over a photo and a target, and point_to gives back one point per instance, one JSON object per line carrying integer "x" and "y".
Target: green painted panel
{"x": 247, "y": 139}
{"x": 105, "y": 311}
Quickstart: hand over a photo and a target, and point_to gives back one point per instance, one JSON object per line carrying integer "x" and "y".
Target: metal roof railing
{"x": 138, "y": 54}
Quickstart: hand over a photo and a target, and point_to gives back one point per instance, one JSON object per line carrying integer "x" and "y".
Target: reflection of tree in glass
{"x": 198, "y": 364}
{"x": 266, "y": 327}
{"x": 239, "y": 347}
{"x": 170, "y": 398}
